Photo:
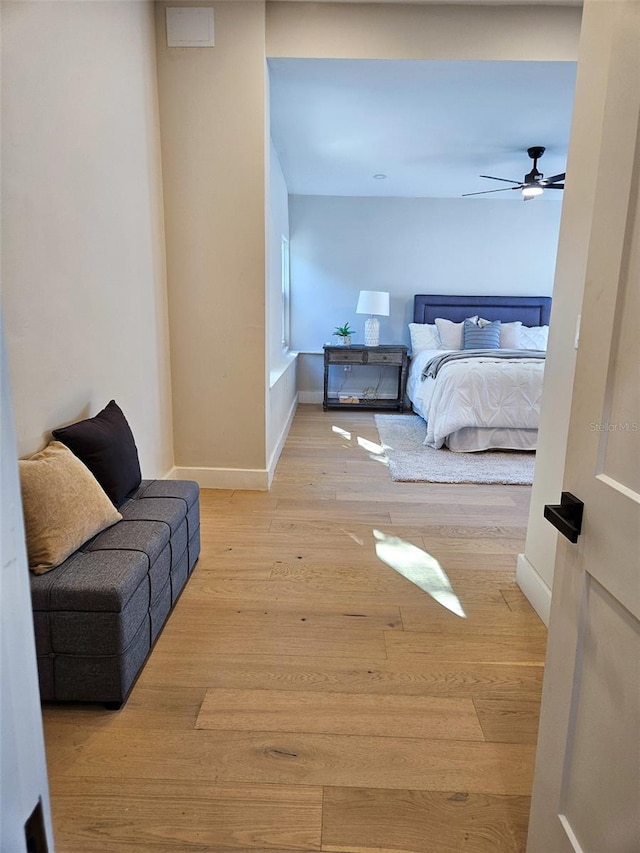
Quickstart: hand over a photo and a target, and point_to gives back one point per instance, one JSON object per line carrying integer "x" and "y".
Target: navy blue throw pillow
{"x": 481, "y": 337}
{"x": 106, "y": 445}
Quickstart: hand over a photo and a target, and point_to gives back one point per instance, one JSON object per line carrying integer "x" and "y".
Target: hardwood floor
{"x": 304, "y": 696}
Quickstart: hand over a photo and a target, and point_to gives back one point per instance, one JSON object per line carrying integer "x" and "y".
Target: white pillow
{"x": 423, "y": 336}
{"x": 451, "y": 333}
{"x": 510, "y": 337}
{"x": 534, "y": 337}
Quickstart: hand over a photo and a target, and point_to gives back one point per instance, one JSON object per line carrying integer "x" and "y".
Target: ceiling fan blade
{"x": 554, "y": 179}
{"x": 484, "y": 192}
{"x": 506, "y": 180}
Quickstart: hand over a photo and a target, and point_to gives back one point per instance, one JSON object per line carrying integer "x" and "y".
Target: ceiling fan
{"x": 534, "y": 182}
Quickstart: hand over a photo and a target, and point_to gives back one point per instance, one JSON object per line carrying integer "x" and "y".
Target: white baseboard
{"x": 310, "y": 397}
{"x": 534, "y": 588}
{"x": 246, "y": 479}
{"x": 271, "y": 468}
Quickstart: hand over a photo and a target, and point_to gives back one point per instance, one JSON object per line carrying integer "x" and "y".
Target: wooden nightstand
{"x": 394, "y": 355}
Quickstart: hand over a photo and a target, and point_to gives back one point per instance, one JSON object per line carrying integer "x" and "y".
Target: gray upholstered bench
{"x": 98, "y": 614}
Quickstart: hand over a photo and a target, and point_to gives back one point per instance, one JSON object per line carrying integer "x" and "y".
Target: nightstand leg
{"x": 325, "y": 396}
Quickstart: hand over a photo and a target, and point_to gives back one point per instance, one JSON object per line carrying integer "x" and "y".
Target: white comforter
{"x": 476, "y": 392}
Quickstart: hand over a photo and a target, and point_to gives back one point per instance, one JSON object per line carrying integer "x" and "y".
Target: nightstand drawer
{"x": 385, "y": 357}
{"x": 348, "y": 356}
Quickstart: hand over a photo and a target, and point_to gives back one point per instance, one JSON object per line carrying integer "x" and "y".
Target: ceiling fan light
{"x": 531, "y": 192}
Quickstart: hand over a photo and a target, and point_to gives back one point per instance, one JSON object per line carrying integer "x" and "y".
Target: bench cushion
{"x": 103, "y": 608}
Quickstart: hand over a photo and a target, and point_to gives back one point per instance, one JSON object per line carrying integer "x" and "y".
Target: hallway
{"x": 304, "y": 696}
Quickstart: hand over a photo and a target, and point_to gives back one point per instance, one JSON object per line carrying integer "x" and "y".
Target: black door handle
{"x": 566, "y": 516}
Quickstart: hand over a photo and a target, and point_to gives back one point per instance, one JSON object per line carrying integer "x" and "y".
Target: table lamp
{"x": 373, "y": 302}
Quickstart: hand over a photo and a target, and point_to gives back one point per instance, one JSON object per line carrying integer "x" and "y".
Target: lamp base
{"x": 372, "y": 332}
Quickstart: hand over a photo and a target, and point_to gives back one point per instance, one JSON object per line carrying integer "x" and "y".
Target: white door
{"x": 586, "y": 794}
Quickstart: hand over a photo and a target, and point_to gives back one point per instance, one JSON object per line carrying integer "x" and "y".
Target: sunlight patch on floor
{"x": 381, "y": 459}
{"x": 343, "y": 432}
{"x": 365, "y": 444}
{"x": 353, "y": 536}
{"x": 420, "y": 568}
{"x": 375, "y": 451}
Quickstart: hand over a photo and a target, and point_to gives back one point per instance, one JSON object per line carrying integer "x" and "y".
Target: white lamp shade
{"x": 373, "y": 302}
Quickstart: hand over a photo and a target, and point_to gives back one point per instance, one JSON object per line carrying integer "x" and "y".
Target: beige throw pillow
{"x": 63, "y": 505}
{"x": 451, "y": 333}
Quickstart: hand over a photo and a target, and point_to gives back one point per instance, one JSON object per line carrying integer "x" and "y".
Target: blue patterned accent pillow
{"x": 481, "y": 337}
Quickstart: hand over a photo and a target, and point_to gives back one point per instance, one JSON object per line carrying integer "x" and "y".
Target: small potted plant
{"x": 344, "y": 333}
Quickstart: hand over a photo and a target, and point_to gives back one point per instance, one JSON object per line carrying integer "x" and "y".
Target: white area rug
{"x": 402, "y": 438}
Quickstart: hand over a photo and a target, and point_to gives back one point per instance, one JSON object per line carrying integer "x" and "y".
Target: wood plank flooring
{"x": 304, "y": 696}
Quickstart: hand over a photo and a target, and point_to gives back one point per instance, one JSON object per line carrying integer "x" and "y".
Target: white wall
{"x": 282, "y": 404}
{"x": 408, "y": 246}
{"x": 281, "y": 363}
{"x": 83, "y": 245}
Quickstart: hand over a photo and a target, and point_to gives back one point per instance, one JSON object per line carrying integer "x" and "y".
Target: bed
{"x": 478, "y": 399}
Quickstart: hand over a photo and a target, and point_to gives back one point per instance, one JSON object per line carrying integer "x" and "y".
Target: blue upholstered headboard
{"x": 531, "y": 310}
